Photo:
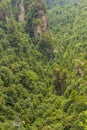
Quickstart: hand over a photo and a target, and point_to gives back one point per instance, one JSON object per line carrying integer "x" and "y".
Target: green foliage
{"x": 46, "y": 46}
{"x": 53, "y": 3}
{"x": 27, "y": 99}
{"x": 36, "y": 21}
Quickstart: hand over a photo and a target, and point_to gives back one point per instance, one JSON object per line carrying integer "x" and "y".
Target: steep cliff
{"x": 43, "y": 26}
{"x": 37, "y": 19}
{"x": 21, "y": 15}
{"x": 33, "y": 11}
{"x": 5, "y": 11}
{"x": 39, "y": 90}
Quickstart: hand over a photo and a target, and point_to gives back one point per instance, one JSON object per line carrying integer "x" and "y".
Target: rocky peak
{"x": 43, "y": 25}
{"x": 21, "y": 16}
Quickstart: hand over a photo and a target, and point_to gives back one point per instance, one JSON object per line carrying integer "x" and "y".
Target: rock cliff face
{"x": 37, "y": 24}
{"x": 43, "y": 26}
{"x": 37, "y": 30}
{"x": 2, "y": 15}
{"x": 15, "y": 9}
{"x": 21, "y": 16}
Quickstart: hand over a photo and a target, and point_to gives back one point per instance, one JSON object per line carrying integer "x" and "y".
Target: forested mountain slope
{"x": 68, "y": 25}
{"x": 53, "y": 3}
{"x": 43, "y": 65}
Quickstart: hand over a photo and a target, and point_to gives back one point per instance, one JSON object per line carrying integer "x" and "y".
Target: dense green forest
{"x": 43, "y": 65}
{"x": 52, "y": 3}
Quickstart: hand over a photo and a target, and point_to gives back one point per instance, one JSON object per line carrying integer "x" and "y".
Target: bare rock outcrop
{"x": 43, "y": 26}
{"x": 21, "y": 16}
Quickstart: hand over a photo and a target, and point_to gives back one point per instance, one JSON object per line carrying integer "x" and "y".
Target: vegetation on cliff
{"x": 43, "y": 65}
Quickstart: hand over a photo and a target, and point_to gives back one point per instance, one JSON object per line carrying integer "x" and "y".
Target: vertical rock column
{"x": 43, "y": 26}
{"x": 21, "y": 16}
